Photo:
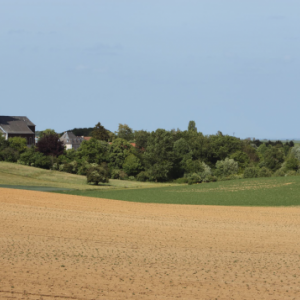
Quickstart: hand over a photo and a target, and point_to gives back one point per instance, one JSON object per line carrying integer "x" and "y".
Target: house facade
{"x": 17, "y": 127}
{"x": 71, "y": 141}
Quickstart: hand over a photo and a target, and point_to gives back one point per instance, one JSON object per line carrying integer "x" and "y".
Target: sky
{"x": 231, "y": 66}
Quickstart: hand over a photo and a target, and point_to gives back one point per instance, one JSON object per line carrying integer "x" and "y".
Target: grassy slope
{"x": 14, "y": 174}
{"x": 279, "y": 191}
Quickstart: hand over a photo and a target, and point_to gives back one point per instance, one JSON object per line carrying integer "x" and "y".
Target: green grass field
{"x": 274, "y": 191}
{"x": 15, "y": 175}
{"x": 279, "y": 191}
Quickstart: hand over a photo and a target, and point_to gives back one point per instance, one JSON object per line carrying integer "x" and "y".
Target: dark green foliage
{"x": 193, "y": 166}
{"x": 160, "y": 157}
{"x": 47, "y": 132}
{"x": 264, "y": 172}
{"x": 242, "y": 158}
{"x": 251, "y": 172}
{"x": 100, "y": 133}
{"x": 42, "y": 161}
{"x": 273, "y": 158}
{"x": 98, "y": 174}
{"x": 222, "y": 146}
{"x": 142, "y": 176}
{"x": 3, "y": 143}
{"x": 9, "y": 154}
{"x": 141, "y": 139}
{"x": 82, "y": 131}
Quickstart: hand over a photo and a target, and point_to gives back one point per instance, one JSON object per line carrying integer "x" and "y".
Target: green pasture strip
{"x": 34, "y": 188}
{"x": 19, "y": 175}
{"x": 279, "y": 191}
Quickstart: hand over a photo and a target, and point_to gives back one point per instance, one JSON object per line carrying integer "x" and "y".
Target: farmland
{"x": 274, "y": 191}
{"x": 225, "y": 240}
{"x": 57, "y": 246}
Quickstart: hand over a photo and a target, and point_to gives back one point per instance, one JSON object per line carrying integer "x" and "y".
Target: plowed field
{"x": 56, "y": 246}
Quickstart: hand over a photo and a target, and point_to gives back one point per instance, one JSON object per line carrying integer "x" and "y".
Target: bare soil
{"x": 56, "y": 246}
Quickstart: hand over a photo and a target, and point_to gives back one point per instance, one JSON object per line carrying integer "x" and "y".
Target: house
{"x": 17, "y": 127}
{"x": 71, "y": 141}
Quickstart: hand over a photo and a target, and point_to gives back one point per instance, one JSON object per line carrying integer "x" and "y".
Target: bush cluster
{"x": 186, "y": 157}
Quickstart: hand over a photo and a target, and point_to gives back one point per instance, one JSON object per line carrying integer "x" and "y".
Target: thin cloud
{"x": 104, "y": 49}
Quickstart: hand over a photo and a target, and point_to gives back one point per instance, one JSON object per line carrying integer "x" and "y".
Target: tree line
{"x": 186, "y": 156}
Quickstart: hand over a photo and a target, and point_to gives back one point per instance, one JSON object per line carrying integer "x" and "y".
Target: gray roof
{"x": 17, "y": 125}
{"x": 69, "y": 138}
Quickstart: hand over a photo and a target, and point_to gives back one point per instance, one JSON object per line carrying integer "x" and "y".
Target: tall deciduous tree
{"x": 125, "y": 132}
{"x": 141, "y": 139}
{"x": 192, "y": 126}
{"x": 100, "y": 133}
{"x": 160, "y": 156}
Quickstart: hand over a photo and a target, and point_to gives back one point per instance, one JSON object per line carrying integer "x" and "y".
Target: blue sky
{"x": 229, "y": 65}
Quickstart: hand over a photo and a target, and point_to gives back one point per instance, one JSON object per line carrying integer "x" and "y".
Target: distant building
{"x": 71, "y": 141}
{"x": 17, "y": 127}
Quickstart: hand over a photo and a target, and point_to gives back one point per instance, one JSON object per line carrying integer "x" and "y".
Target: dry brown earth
{"x": 68, "y": 247}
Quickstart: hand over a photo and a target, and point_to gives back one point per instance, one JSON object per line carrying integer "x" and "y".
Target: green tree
{"x": 47, "y": 132}
{"x": 192, "y": 126}
{"x": 93, "y": 151}
{"x": 132, "y": 165}
{"x": 125, "y": 132}
{"x": 141, "y": 139}
{"x": 118, "y": 151}
{"x": 3, "y": 142}
{"x": 96, "y": 174}
{"x": 100, "y": 133}
{"x": 242, "y": 158}
{"x": 160, "y": 157}
{"x": 17, "y": 143}
{"x": 273, "y": 158}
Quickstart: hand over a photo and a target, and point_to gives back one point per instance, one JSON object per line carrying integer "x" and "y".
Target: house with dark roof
{"x": 71, "y": 141}
{"x": 17, "y": 127}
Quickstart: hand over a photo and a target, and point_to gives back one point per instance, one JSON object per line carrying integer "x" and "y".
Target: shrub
{"x": 251, "y": 172}
{"x": 98, "y": 174}
{"x": 9, "y": 155}
{"x": 292, "y": 163}
{"x": 211, "y": 178}
{"x": 279, "y": 173}
{"x": 42, "y": 161}
{"x": 295, "y": 151}
{"x": 181, "y": 180}
{"x": 142, "y": 176}
{"x": 226, "y": 167}
{"x": 114, "y": 174}
{"x": 291, "y": 173}
{"x": 194, "y": 178}
{"x": 264, "y": 172}
{"x": 122, "y": 175}
{"x": 206, "y": 172}
{"x": 132, "y": 165}
{"x": 82, "y": 170}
